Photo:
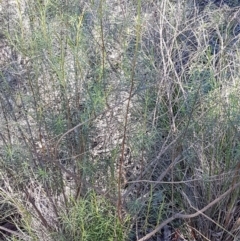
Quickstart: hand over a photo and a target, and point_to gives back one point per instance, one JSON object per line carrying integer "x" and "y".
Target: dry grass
{"x": 125, "y": 113}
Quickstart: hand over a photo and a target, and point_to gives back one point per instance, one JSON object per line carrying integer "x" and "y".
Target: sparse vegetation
{"x": 119, "y": 120}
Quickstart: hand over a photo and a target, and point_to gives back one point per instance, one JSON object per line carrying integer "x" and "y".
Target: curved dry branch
{"x": 187, "y": 216}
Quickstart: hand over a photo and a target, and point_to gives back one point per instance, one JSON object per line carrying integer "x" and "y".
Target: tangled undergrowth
{"x": 119, "y": 120}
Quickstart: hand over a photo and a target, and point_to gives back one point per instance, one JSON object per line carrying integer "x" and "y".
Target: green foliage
{"x": 92, "y": 218}
{"x": 97, "y": 101}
